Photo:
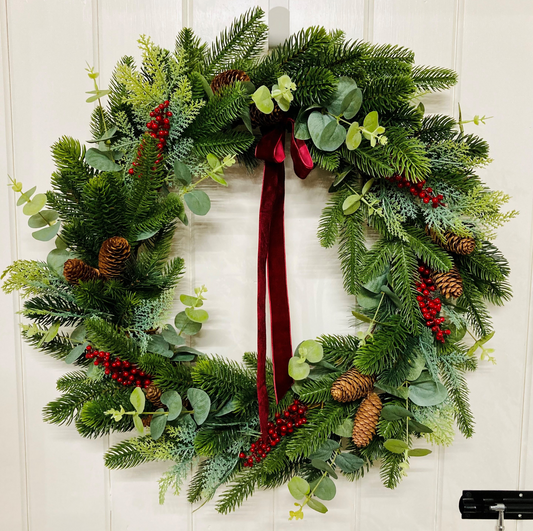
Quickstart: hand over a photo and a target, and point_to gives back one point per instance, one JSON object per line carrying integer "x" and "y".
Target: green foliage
{"x": 433, "y": 78}
{"x": 351, "y": 251}
{"x": 124, "y": 455}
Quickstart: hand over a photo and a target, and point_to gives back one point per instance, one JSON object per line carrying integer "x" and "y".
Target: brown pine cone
{"x": 351, "y": 385}
{"x": 113, "y": 255}
{"x": 75, "y": 270}
{"x": 228, "y": 78}
{"x": 146, "y": 419}
{"x": 261, "y": 119}
{"x": 153, "y": 394}
{"x": 366, "y": 420}
{"x": 450, "y": 284}
{"x": 453, "y": 244}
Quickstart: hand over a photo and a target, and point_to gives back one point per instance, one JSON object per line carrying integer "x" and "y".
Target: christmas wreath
{"x": 340, "y": 404}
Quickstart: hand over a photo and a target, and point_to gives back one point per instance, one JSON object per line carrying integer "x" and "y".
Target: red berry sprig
{"x": 430, "y": 306}
{"x": 417, "y": 190}
{"x": 158, "y": 129}
{"x": 284, "y": 423}
{"x": 122, "y": 371}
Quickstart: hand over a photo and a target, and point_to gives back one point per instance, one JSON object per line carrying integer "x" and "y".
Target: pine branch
{"x": 323, "y": 159}
{"x": 377, "y": 259}
{"x": 373, "y": 161}
{"x": 436, "y": 128}
{"x": 314, "y": 391}
{"x": 124, "y": 455}
{"x": 407, "y": 155}
{"x": 332, "y": 218}
{"x": 339, "y": 350}
{"x": 352, "y": 251}
{"x": 223, "y": 144}
{"x": 315, "y": 84}
{"x": 433, "y": 78}
{"x": 427, "y": 251}
{"x": 193, "y": 49}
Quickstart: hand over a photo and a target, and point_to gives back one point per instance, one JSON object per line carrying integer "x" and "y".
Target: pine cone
{"x": 153, "y": 394}
{"x": 146, "y": 419}
{"x": 261, "y": 119}
{"x": 450, "y": 284}
{"x": 366, "y": 420}
{"x": 75, "y": 270}
{"x": 351, "y": 385}
{"x": 112, "y": 257}
{"x": 227, "y": 78}
{"x": 454, "y": 244}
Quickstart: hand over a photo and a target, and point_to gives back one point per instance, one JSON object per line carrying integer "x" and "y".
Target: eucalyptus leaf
{"x": 351, "y": 204}
{"x": 392, "y": 412}
{"x": 395, "y": 446}
{"x": 100, "y": 160}
{"x": 371, "y": 122}
{"x": 263, "y": 100}
{"x": 198, "y": 201}
{"x": 367, "y": 186}
{"x": 201, "y": 404}
{"x": 183, "y": 357}
{"x": 344, "y": 429}
{"x": 158, "y": 345}
{"x": 173, "y": 401}
{"x": 42, "y": 219}
{"x": 362, "y": 317}
{"x": 138, "y": 423}
{"x": 78, "y": 334}
{"x": 189, "y": 350}
{"x": 324, "y": 488}
{"x": 320, "y": 464}
{"x": 157, "y": 425}
{"x": 427, "y": 393}
{"x": 392, "y": 296}
{"x": 353, "y": 137}
{"x": 110, "y": 133}
{"x": 297, "y": 369}
{"x": 332, "y": 137}
{"x": 51, "y": 333}
{"x": 311, "y": 350}
{"x": 418, "y": 452}
{"x": 188, "y": 300}
{"x": 345, "y": 87}
{"x": 316, "y": 123}
{"x": 26, "y": 196}
{"x": 171, "y": 336}
{"x": 56, "y": 259}
{"x": 339, "y": 177}
{"x": 400, "y": 392}
{"x": 185, "y": 325}
{"x": 198, "y": 316}
{"x": 352, "y": 103}
{"x": 376, "y": 283}
{"x": 75, "y": 353}
{"x": 417, "y": 427}
{"x": 213, "y": 161}
{"x": 228, "y": 407}
{"x": 325, "y": 451}
{"x": 368, "y": 300}
{"x": 349, "y": 463}
{"x": 298, "y": 487}
{"x": 47, "y": 234}
{"x": 417, "y": 365}
{"x": 182, "y": 173}
{"x": 317, "y": 506}
{"x": 138, "y": 399}
{"x": 33, "y": 206}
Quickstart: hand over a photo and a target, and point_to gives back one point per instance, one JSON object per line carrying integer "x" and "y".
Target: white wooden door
{"x": 51, "y": 479}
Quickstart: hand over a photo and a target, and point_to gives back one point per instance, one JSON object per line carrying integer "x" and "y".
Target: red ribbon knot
{"x": 271, "y": 261}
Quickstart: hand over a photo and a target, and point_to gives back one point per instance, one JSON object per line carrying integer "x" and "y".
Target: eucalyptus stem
{"x": 324, "y": 474}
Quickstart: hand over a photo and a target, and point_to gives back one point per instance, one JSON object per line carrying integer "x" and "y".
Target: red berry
{"x": 169, "y": 113}
{"x": 447, "y": 332}
{"x": 242, "y": 455}
{"x": 426, "y": 200}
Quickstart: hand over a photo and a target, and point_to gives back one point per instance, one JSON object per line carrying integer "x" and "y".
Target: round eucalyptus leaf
{"x": 427, "y": 393}
{"x": 138, "y": 423}
{"x": 138, "y": 399}
{"x": 100, "y": 161}
{"x": 171, "y": 336}
{"x": 34, "y": 205}
{"x": 348, "y": 462}
{"x": 27, "y": 195}
{"x": 297, "y": 369}
{"x": 392, "y": 412}
{"x": 351, "y": 204}
{"x": 311, "y": 350}
{"x": 332, "y": 137}
{"x": 201, "y": 404}
{"x": 345, "y": 87}
{"x": 191, "y": 301}
{"x": 344, "y": 429}
{"x": 316, "y": 123}
{"x": 322, "y": 465}
{"x": 317, "y": 506}
{"x": 198, "y": 316}
{"x": 42, "y": 219}
{"x": 157, "y": 425}
{"x": 326, "y": 450}
{"x": 173, "y": 401}
{"x": 352, "y": 103}
{"x": 182, "y": 173}
{"x": 324, "y": 488}
{"x": 46, "y": 234}
{"x": 75, "y": 353}
{"x": 56, "y": 259}
{"x": 371, "y": 122}
{"x": 298, "y": 487}
{"x": 198, "y": 201}
{"x": 263, "y": 100}
{"x": 185, "y": 325}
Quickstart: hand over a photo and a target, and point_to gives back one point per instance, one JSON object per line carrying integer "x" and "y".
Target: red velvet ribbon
{"x": 271, "y": 258}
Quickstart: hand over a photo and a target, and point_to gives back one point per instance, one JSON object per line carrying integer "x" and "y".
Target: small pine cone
{"x": 75, "y": 270}
{"x": 351, "y": 385}
{"x": 227, "y": 78}
{"x": 261, "y": 119}
{"x": 450, "y": 284}
{"x": 112, "y": 257}
{"x": 454, "y": 244}
{"x": 153, "y": 394}
{"x": 146, "y": 419}
{"x": 366, "y": 420}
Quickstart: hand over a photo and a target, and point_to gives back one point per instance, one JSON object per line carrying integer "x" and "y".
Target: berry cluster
{"x": 123, "y": 372}
{"x": 429, "y": 306}
{"x": 284, "y": 423}
{"x": 158, "y": 129}
{"x": 418, "y": 190}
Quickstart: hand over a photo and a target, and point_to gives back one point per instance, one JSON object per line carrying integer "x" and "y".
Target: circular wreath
{"x": 101, "y": 300}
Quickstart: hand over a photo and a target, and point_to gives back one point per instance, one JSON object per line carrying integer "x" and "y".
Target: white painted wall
{"x": 51, "y": 479}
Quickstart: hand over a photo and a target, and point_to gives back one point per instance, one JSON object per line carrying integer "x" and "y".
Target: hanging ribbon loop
{"x": 271, "y": 259}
